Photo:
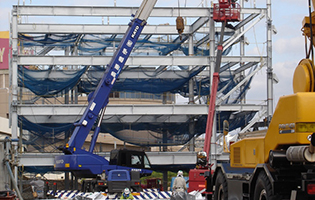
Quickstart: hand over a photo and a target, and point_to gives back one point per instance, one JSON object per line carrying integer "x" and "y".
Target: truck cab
{"x": 129, "y": 158}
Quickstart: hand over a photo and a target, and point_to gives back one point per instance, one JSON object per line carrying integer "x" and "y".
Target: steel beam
{"x": 132, "y": 60}
{"x": 100, "y": 11}
{"x": 129, "y": 74}
{"x": 244, "y": 67}
{"x": 198, "y": 24}
{"x": 108, "y": 29}
{"x": 168, "y": 113}
{"x": 118, "y": 11}
{"x": 156, "y": 158}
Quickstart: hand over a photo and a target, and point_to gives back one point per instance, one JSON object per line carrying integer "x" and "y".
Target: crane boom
{"x": 76, "y": 158}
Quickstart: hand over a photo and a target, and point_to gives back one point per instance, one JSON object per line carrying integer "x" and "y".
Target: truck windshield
{"x": 135, "y": 159}
{"x": 146, "y": 162}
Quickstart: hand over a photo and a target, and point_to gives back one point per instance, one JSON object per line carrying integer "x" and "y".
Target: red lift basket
{"x": 224, "y": 3}
{"x": 224, "y": 11}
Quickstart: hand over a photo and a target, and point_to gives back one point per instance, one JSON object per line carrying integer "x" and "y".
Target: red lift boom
{"x": 224, "y": 11}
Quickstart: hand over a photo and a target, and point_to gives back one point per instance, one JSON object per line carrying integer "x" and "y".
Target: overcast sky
{"x": 288, "y": 43}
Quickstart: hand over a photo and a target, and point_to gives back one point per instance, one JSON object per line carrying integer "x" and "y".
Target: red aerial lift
{"x": 224, "y": 11}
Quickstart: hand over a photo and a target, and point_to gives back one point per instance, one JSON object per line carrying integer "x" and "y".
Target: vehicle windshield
{"x": 146, "y": 162}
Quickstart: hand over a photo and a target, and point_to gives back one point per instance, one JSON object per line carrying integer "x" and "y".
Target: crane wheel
{"x": 221, "y": 189}
{"x": 263, "y": 189}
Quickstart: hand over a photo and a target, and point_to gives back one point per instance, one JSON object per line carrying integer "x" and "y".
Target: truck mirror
{"x": 225, "y": 127}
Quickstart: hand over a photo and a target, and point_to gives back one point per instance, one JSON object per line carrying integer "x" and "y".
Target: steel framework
{"x": 202, "y": 24}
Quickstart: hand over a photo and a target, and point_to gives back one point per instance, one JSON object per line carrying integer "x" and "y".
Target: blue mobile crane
{"x": 85, "y": 163}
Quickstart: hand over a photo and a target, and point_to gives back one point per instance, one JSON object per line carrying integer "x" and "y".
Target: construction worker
{"x": 179, "y": 187}
{"x": 201, "y": 159}
{"x": 38, "y": 187}
{"x": 179, "y": 184}
{"x": 126, "y": 194}
{"x": 232, "y": 3}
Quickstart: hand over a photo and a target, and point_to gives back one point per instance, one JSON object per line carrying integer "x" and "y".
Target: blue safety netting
{"x": 42, "y": 136}
{"x": 152, "y": 84}
{"x": 47, "y": 83}
{"x": 166, "y": 134}
{"x": 41, "y": 83}
{"x": 91, "y": 44}
{"x": 55, "y": 40}
{"x": 49, "y": 137}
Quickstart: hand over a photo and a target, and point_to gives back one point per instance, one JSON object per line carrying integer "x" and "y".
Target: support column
{"x": 164, "y": 139}
{"x": 212, "y": 158}
{"x": 269, "y": 64}
{"x": 67, "y": 53}
{"x": 191, "y": 82}
{"x": 75, "y": 89}
{"x": 165, "y": 181}
{"x": 191, "y": 98}
{"x": 20, "y": 152}
{"x": 14, "y": 76}
{"x": 242, "y": 53}
{"x": 14, "y": 82}
{"x": 4, "y": 174}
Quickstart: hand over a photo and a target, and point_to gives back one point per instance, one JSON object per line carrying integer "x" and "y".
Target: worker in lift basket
{"x": 38, "y": 187}
{"x": 232, "y": 2}
{"x": 126, "y": 194}
{"x": 179, "y": 187}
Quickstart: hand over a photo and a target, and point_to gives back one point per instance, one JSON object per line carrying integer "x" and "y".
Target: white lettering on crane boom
{"x": 92, "y": 106}
{"x": 125, "y": 51}
{"x": 117, "y": 67}
{"x": 129, "y": 43}
{"x": 135, "y": 32}
{"x": 121, "y": 59}
{"x": 113, "y": 74}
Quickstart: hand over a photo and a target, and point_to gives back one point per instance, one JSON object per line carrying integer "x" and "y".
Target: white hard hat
{"x": 126, "y": 191}
{"x": 38, "y": 176}
{"x": 202, "y": 154}
{"x": 180, "y": 173}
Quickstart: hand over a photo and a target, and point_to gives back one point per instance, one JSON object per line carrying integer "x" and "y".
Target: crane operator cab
{"x": 129, "y": 158}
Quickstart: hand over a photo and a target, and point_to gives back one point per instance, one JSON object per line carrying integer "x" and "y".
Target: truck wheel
{"x": 263, "y": 190}
{"x": 221, "y": 190}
